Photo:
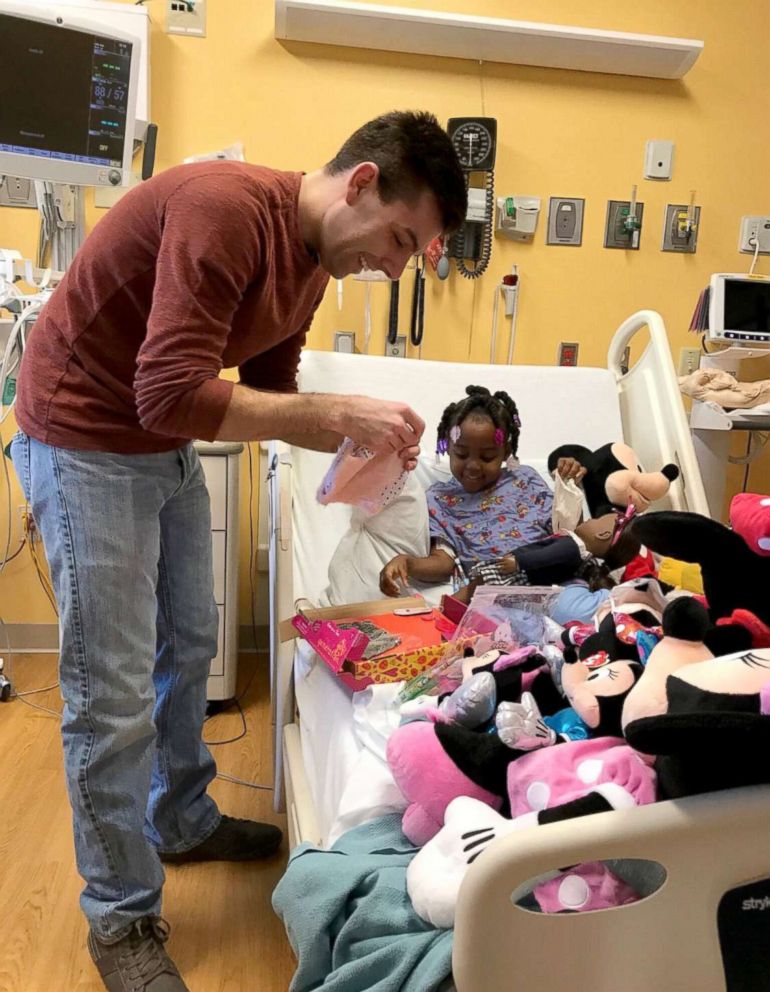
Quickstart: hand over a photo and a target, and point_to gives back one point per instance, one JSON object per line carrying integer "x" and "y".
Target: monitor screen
{"x": 747, "y": 306}
{"x": 63, "y": 93}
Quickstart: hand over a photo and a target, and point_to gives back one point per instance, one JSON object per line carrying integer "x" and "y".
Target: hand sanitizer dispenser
{"x": 517, "y": 216}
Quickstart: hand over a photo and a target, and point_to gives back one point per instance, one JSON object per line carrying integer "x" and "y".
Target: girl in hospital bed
{"x": 490, "y": 506}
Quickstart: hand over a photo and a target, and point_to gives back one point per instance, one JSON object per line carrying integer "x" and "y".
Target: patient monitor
{"x": 739, "y": 309}
{"x": 68, "y": 94}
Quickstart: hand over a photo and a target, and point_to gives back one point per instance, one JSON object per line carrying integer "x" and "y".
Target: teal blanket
{"x": 349, "y": 918}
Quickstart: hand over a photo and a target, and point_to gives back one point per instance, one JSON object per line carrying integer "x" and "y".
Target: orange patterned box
{"x": 422, "y": 639}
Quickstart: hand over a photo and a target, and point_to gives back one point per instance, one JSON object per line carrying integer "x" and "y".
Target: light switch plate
{"x": 565, "y": 220}
{"x": 345, "y": 342}
{"x": 658, "y": 159}
{"x": 186, "y": 17}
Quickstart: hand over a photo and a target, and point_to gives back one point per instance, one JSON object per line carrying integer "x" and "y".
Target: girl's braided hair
{"x": 500, "y": 409}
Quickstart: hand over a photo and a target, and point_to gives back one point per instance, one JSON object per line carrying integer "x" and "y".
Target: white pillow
{"x": 401, "y": 528}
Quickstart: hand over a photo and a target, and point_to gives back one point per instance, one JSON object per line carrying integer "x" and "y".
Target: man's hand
{"x": 409, "y": 457}
{"x": 379, "y": 424}
{"x": 570, "y": 468}
{"x": 395, "y": 572}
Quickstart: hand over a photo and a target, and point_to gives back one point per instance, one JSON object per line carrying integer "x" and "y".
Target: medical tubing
{"x": 393, "y": 314}
{"x": 418, "y": 306}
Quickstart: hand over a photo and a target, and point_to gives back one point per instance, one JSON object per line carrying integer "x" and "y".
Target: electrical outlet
{"x": 616, "y": 234}
{"x": 675, "y": 235}
{"x": 689, "y": 360}
{"x": 565, "y": 220}
{"x": 754, "y": 227}
{"x": 17, "y": 192}
{"x": 186, "y": 17}
{"x": 397, "y": 350}
{"x": 568, "y": 353}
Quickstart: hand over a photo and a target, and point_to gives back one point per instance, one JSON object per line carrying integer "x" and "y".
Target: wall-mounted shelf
{"x": 489, "y": 39}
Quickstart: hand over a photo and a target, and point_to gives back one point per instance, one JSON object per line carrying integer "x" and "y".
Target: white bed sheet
{"x": 349, "y": 784}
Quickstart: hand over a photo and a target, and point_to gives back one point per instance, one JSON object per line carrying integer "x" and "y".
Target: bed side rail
{"x": 655, "y": 423}
{"x": 281, "y": 581}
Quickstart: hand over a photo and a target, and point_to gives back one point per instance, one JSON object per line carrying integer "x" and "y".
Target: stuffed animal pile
{"x": 663, "y": 695}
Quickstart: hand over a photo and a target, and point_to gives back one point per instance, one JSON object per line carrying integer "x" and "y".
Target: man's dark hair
{"x": 413, "y": 153}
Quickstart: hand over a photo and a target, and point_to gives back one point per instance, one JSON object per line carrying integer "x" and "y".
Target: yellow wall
{"x": 560, "y": 132}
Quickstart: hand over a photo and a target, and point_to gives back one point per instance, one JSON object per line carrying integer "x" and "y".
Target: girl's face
{"x": 474, "y": 458}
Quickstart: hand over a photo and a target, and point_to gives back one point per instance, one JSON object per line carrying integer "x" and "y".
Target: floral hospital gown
{"x": 494, "y": 522}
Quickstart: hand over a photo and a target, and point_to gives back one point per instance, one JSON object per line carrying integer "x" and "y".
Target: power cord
{"x": 755, "y": 239}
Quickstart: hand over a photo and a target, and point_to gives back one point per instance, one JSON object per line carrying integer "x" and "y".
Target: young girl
{"x": 487, "y": 509}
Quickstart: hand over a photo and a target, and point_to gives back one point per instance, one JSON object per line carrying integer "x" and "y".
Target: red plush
{"x": 760, "y": 632}
{"x": 750, "y": 517}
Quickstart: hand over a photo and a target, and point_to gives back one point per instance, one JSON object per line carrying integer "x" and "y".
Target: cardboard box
{"x": 393, "y": 666}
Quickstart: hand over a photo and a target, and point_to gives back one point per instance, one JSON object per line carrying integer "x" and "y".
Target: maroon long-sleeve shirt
{"x": 201, "y": 268}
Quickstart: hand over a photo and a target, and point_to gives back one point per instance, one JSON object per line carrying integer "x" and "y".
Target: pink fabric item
{"x": 555, "y": 775}
{"x": 517, "y": 657}
{"x": 428, "y": 779}
{"x": 362, "y": 478}
{"x": 750, "y": 517}
{"x": 764, "y": 699}
{"x": 589, "y": 886}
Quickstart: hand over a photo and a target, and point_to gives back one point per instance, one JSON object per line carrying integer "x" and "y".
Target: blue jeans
{"x": 128, "y": 542}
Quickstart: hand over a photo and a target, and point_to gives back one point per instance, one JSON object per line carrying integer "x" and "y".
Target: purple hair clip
{"x": 454, "y": 434}
{"x": 442, "y": 446}
{"x": 499, "y": 437}
{"x": 517, "y": 421}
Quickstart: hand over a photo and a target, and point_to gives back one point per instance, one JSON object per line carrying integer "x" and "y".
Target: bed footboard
{"x": 668, "y": 940}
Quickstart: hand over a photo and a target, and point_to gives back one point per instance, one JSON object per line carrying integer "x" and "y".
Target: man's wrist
{"x": 330, "y": 410}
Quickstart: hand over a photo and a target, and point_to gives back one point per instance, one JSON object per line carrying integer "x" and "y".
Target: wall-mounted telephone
{"x": 474, "y": 139}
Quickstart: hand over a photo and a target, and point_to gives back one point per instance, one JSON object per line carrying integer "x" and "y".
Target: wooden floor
{"x": 225, "y": 936}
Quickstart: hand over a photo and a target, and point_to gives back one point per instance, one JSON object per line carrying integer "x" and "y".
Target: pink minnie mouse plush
{"x": 435, "y": 762}
{"x": 574, "y": 779}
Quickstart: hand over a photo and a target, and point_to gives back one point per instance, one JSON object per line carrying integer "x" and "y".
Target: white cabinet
{"x": 221, "y": 465}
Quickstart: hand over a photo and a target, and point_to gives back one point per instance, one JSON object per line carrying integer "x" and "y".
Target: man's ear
{"x": 363, "y": 177}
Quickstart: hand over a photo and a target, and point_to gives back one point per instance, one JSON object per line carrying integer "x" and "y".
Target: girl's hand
{"x": 508, "y": 565}
{"x": 395, "y": 572}
{"x": 570, "y": 468}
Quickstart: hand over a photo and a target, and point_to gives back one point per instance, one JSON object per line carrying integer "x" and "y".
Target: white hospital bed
{"x": 657, "y": 943}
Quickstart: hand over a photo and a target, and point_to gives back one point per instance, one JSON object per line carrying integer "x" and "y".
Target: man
{"x": 203, "y": 267}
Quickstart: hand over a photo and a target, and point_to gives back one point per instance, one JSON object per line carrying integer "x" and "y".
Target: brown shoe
{"x": 233, "y": 840}
{"x": 138, "y": 961}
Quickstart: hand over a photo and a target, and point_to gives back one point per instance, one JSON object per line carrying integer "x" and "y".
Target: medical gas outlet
{"x": 624, "y": 223}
